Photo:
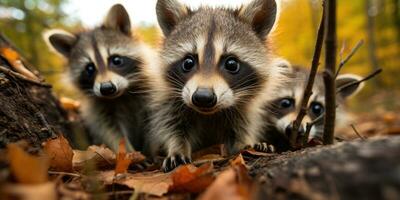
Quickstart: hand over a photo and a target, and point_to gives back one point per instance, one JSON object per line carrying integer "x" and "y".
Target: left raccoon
{"x": 108, "y": 65}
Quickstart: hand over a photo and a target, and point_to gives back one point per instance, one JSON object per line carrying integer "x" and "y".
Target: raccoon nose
{"x": 107, "y": 88}
{"x": 204, "y": 98}
{"x": 289, "y": 129}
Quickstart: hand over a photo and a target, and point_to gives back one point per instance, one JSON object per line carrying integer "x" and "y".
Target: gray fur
{"x": 293, "y": 88}
{"x": 176, "y": 127}
{"x": 123, "y": 115}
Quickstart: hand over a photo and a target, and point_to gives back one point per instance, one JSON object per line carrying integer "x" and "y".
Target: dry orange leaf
{"x": 26, "y": 168}
{"x": 232, "y": 183}
{"x": 189, "y": 178}
{"x": 60, "y": 153}
{"x": 238, "y": 161}
{"x": 14, "y": 59}
{"x": 69, "y": 104}
{"x": 153, "y": 183}
{"x": 100, "y": 156}
{"x": 123, "y": 161}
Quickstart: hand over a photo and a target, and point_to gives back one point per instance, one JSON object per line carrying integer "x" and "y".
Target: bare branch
{"x": 311, "y": 78}
{"x": 329, "y": 73}
{"x": 348, "y": 57}
{"x": 22, "y": 77}
{"x": 372, "y": 75}
{"x": 358, "y": 133}
{"x": 309, "y": 127}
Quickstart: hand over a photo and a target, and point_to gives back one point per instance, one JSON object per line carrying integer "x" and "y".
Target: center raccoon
{"x": 217, "y": 72}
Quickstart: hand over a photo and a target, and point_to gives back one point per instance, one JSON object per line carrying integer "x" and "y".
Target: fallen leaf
{"x": 153, "y": 183}
{"x": 189, "y": 178}
{"x": 123, "y": 161}
{"x": 26, "y": 168}
{"x": 223, "y": 188}
{"x": 40, "y": 191}
{"x": 99, "y": 156}
{"x": 69, "y": 104}
{"x": 14, "y": 59}
{"x": 238, "y": 161}
{"x": 60, "y": 153}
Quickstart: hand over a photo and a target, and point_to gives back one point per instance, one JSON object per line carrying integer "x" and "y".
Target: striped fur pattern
{"x": 284, "y": 108}
{"x": 215, "y": 54}
{"x": 108, "y": 65}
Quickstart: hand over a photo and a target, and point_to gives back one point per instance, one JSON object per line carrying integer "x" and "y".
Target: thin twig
{"x": 373, "y": 74}
{"x": 311, "y": 78}
{"x": 309, "y": 127}
{"x": 348, "y": 57}
{"x": 329, "y": 73}
{"x": 358, "y": 133}
{"x": 64, "y": 173}
{"x": 22, "y": 77}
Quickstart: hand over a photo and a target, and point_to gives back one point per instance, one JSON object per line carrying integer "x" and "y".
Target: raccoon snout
{"x": 289, "y": 128}
{"x": 204, "y": 98}
{"x": 108, "y": 89}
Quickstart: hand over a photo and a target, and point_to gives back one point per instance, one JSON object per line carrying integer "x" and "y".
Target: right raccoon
{"x": 283, "y": 110}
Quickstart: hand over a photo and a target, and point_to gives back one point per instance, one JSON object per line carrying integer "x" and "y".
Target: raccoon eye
{"x": 316, "y": 108}
{"x": 90, "y": 69}
{"x": 232, "y": 65}
{"x": 188, "y": 64}
{"x": 117, "y": 60}
{"x": 286, "y": 103}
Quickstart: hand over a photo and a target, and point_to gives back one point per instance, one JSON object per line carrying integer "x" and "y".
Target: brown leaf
{"x": 189, "y": 178}
{"x": 26, "y": 168}
{"x": 60, "y": 153}
{"x": 40, "y": 191}
{"x": 99, "y": 156}
{"x": 123, "y": 161}
{"x": 238, "y": 161}
{"x": 69, "y": 104}
{"x": 153, "y": 183}
{"x": 223, "y": 188}
{"x": 232, "y": 183}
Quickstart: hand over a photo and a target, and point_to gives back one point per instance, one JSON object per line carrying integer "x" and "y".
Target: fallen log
{"x": 365, "y": 169}
{"x": 28, "y": 109}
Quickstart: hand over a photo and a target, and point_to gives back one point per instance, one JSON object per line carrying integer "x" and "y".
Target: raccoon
{"x": 108, "y": 65}
{"x": 283, "y": 110}
{"x": 217, "y": 71}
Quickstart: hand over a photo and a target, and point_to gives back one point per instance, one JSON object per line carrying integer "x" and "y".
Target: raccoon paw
{"x": 264, "y": 147}
{"x": 174, "y": 161}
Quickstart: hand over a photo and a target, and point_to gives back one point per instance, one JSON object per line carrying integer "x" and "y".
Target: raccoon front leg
{"x": 179, "y": 153}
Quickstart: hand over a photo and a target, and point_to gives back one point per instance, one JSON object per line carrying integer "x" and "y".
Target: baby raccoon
{"x": 108, "y": 65}
{"x": 284, "y": 108}
{"x": 217, "y": 72}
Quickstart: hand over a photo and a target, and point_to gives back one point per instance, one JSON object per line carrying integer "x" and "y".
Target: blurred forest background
{"x": 377, "y": 22}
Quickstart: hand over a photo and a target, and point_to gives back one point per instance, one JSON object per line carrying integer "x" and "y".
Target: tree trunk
{"x": 367, "y": 169}
{"x": 28, "y": 111}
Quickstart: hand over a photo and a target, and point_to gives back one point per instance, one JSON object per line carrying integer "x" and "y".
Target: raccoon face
{"x": 216, "y": 58}
{"x": 104, "y": 61}
{"x": 284, "y": 109}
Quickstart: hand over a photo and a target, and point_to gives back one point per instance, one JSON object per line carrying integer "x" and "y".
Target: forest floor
{"x": 321, "y": 172}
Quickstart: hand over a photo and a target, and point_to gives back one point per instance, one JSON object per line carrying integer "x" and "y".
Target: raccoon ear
{"x": 342, "y": 82}
{"x": 261, "y": 15}
{"x": 169, "y": 13}
{"x": 60, "y": 41}
{"x": 118, "y": 19}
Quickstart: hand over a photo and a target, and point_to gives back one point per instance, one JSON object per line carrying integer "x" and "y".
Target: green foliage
{"x": 24, "y": 27}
